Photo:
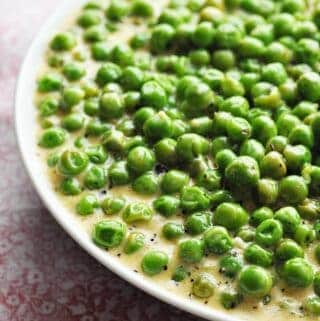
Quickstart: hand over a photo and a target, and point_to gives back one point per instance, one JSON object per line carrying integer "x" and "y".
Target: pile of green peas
{"x": 212, "y": 111}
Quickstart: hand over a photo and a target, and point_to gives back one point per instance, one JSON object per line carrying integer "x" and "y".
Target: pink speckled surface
{"x": 44, "y": 275}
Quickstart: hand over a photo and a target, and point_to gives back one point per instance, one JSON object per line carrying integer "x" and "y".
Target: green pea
{"x": 296, "y": 157}
{"x": 266, "y": 95}
{"x": 100, "y": 51}
{"x": 289, "y": 218}
{"x": 94, "y": 34}
{"x": 252, "y": 148}
{"x": 152, "y": 94}
{"x": 254, "y": 281}
{"x": 312, "y": 305}
{"x": 231, "y": 86}
{"x": 134, "y": 242}
{"x": 109, "y": 72}
{"x": 71, "y": 96}
{"x": 243, "y": 171}
{"x": 161, "y": 37}
{"x": 172, "y": 231}
{"x": 96, "y": 128}
{"x": 86, "y": 205}
{"x": 293, "y": 189}
{"x": 277, "y": 144}
{"x": 52, "y": 137}
{"x": 260, "y": 215}
{"x": 302, "y": 134}
{"x": 95, "y": 178}
{"x": 73, "y": 71}
{"x": 268, "y": 191}
{"x": 146, "y": 184}
{"x": 63, "y": 42}
{"x": 139, "y": 40}
{"x": 111, "y": 206}
{"x": 111, "y": 106}
{"x": 49, "y": 82}
{"x": 137, "y": 212}
{"x": 189, "y": 146}
{"x": 72, "y": 162}
{"x": 141, "y": 8}
{"x": 238, "y": 129}
{"x": 97, "y": 154}
{"x": 230, "y": 265}
{"x": 309, "y": 209}
{"x": 230, "y": 215}
{"x": 201, "y": 125}
{"x": 286, "y": 122}
{"x": 217, "y": 240}
{"x": 228, "y": 35}
{"x": 48, "y": 106}
{"x": 288, "y": 249}
{"x": 200, "y": 57}
{"x": 114, "y": 141}
{"x": 191, "y": 250}
{"x": 140, "y": 160}
{"x": 117, "y": 10}
{"x": 220, "y": 143}
{"x": 132, "y": 78}
{"x": 154, "y": 262}
{"x": 165, "y": 151}
{"x": 173, "y": 181}
{"x": 309, "y": 85}
{"x": 194, "y": 198}
{"x": 70, "y": 186}
{"x": 166, "y": 205}
{"x": 109, "y": 233}
{"x": 158, "y": 126}
{"x": 203, "y": 34}
{"x": 297, "y": 272}
{"x": 118, "y": 173}
{"x": 179, "y": 274}
{"x": 277, "y": 52}
{"x": 269, "y": 232}
{"x": 72, "y": 122}
{"x": 273, "y": 165}
{"x": 274, "y": 73}
{"x": 247, "y": 233}
{"x": 304, "y": 235}
{"x": 198, "y": 222}
{"x": 289, "y": 91}
{"x": 210, "y": 180}
{"x": 224, "y": 158}
{"x": 238, "y": 106}
{"x": 230, "y": 299}
{"x": 203, "y": 285}
{"x": 255, "y": 254}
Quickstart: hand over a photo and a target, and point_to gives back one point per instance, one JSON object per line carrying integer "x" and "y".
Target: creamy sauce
{"x": 285, "y": 303}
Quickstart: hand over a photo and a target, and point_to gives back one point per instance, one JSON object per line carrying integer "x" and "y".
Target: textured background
{"x": 44, "y": 275}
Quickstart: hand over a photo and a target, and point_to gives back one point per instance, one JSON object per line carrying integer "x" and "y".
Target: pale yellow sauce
{"x": 284, "y": 305}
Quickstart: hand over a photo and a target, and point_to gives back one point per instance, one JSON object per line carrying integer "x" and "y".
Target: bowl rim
{"x": 25, "y": 134}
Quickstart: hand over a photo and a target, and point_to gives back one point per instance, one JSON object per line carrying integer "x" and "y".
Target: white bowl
{"x": 25, "y": 122}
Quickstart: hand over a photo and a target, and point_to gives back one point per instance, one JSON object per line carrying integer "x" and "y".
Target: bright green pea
{"x": 261, "y": 214}
{"x": 152, "y": 94}
{"x": 238, "y": 106}
{"x": 86, "y": 205}
{"x": 118, "y": 173}
{"x": 254, "y": 281}
{"x": 203, "y": 285}
{"x": 111, "y": 206}
{"x": 268, "y": 191}
{"x": 224, "y": 158}
{"x": 94, "y": 34}
{"x": 166, "y": 205}
{"x": 134, "y": 242}
{"x": 230, "y": 265}
{"x": 255, "y": 254}
{"x": 293, "y": 189}
{"x": 70, "y": 186}
{"x": 48, "y": 106}
{"x": 49, "y": 82}
{"x": 304, "y": 235}
{"x": 277, "y": 144}
{"x": 154, "y": 262}
{"x": 220, "y": 143}
{"x": 297, "y": 272}
{"x": 238, "y": 129}
{"x": 189, "y": 146}
{"x": 117, "y": 10}
{"x": 288, "y": 249}
{"x": 158, "y": 126}
{"x": 198, "y": 222}
{"x": 173, "y": 181}
{"x": 179, "y": 274}
{"x": 312, "y": 305}
{"x": 146, "y": 184}
{"x": 141, "y": 8}
{"x": 309, "y": 86}
{"x": 97, "y": 154}
{"x": 161, "y": 37}
{"x": 71, "y": 96}
{"x": 137, "y": 212}
{"x": 217, "y": 240}
{"x": 194, "y": 198}
{"x": 273, "y": 165}
{"x": 140, "y": 160}
{"x": 269, "y": 232}
{"x": 191, "y": 250}
{"x": 252, "y": 148}
{"x": 210, "y": 180}
{"x": 63, "y": 42}
{"x": 52, "y": 137}
{"x": 95, "y": 178}
{"x": 72, "y": 122}
{"x": 172, "y": 231}
{"x": 203, "y": 34}
{"x": 243, "y": 171}
{"x": 109, "y": 233}
{"x": 230, "y": 215}
{"x": 109, "y": 72}
{"x": 289, "y": 218}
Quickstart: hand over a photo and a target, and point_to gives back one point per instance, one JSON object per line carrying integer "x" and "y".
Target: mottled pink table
{"x": 44, "y": 275}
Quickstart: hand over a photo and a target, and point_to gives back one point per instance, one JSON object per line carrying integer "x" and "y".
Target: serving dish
{"x": 25, "y": 124}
